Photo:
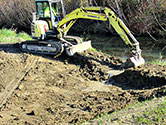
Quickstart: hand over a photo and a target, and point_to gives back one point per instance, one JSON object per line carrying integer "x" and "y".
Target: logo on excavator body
{"x": 45, "y": 28}
{"x": 93, "y": 16}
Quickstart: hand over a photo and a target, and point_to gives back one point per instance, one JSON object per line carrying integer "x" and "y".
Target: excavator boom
{"x": 104, "y": 14}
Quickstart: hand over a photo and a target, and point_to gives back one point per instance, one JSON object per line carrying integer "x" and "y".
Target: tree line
{"x": 143, "y": 17}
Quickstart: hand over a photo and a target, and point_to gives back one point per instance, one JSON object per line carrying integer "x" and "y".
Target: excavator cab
{"x": 46, "y": 18}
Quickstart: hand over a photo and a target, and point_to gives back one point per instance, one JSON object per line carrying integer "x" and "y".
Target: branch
{"x": 147, "y": 30}
{"x": 117, "y": 5}
{"x": 156, "y": 18}
{"x": 164, "y": 48}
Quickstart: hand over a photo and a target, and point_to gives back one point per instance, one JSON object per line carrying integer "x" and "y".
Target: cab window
{"x": 43, "y": 9}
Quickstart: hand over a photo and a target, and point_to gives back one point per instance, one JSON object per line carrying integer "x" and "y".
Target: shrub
{"x": 16, "y": 13}
{"x": 142, "y": 17}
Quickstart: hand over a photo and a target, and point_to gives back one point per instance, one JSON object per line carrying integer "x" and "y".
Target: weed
{"x": 159, "y": 62}
{"x": 155, "y": 115}
{"x": 109, "y": 117}
{"x": 164, "y": 90}
{"x": 7, "y": 33}
{"x": 23, "y": 36}
{"x": 93, "y": 49}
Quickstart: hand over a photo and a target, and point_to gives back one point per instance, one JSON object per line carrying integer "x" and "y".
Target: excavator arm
{"x": 103, "y": 14}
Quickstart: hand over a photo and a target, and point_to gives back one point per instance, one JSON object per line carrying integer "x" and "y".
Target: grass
{"x": 157, "y": 115}
{"x": 158, "y": 62}
{"x": 10, "y": 36}
{"x": 93, "y": 49}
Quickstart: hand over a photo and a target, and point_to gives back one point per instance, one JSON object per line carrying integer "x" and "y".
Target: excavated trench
{"x": 71, "y": 89}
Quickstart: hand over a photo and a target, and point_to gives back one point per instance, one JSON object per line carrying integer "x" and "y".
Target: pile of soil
{"x": 146, "y": 77}
{"x": 95, "y": 66}
{"x": 70, "y": 89}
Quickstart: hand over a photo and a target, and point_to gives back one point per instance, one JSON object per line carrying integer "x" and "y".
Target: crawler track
{"x": 31, "y": 61}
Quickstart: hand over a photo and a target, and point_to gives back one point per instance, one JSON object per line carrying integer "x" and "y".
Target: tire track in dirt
{"x": 31, "y": 61}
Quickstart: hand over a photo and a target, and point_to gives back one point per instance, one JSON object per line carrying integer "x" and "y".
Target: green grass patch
{"x": 10, "y": 36}
{"x": 93, "y": 49}
{"x": 156, "y": 115}
{"x": 158, "y": 62}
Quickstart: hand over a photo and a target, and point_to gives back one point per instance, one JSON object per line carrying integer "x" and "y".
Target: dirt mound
{"x": 71, "y": 89}
{"x": 146, "y": 77}
{"x": 94, "y": 66}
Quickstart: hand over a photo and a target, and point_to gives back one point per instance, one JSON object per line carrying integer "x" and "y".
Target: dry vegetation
{"x": 16, "y": 13}
{"x": 142, "y": 17}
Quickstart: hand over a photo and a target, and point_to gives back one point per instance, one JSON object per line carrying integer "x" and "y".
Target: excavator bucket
{"x": 133, "y": 61}
{"x": 137, "y": 61}
{"x": 78, "y": 48}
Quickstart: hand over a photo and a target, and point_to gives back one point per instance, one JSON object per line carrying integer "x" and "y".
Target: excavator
{"x": 50, "y": 26}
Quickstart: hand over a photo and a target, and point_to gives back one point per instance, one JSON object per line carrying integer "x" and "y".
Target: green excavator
{"x": 50, "y": 26}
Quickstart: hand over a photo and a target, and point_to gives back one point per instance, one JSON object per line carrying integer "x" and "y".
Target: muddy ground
{"x": 76, "y": 89}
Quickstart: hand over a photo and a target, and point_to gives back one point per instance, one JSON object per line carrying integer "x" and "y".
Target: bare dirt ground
{"x": 37, "y": 89}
